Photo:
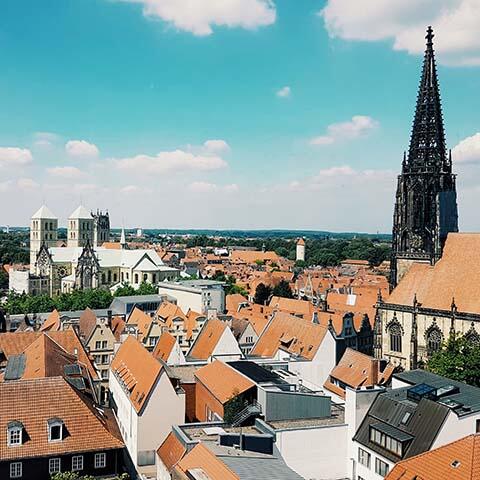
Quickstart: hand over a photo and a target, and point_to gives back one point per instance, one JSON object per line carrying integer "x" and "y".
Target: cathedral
{"x": 435, "y": 271}
{"x": 88, "y": 260}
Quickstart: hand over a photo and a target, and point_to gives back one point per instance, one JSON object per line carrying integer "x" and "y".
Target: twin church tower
{"x": 426, "y": 199}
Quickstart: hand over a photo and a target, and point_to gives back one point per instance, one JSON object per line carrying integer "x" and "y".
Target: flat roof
{"x": 257, "y": 373}
{"x": 337, "y": 418}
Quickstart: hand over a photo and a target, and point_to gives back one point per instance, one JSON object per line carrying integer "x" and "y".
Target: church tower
{"x": 80, "y": 228}
{"x": 426, "y": 199}
{"x": 43, "y": 229}
{"x": 101, "y": 228}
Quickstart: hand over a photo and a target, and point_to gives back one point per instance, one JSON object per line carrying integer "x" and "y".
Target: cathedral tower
{"x": 101, "y": 228}
{"x": 80, "y": 228}
{"x": 43, "y": 229}
{"x": 426, "y": 199}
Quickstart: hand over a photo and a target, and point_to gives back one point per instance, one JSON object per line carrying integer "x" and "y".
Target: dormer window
{"x": 55, "y": 430}
{"x": 14, "y": 435}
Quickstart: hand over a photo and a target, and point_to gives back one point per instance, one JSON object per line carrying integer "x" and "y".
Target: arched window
{"x": 136, "y": 278}
{"x": 395, "y": 331}
{"x": 433, "y": 339}
{"x": 472, "y": 335}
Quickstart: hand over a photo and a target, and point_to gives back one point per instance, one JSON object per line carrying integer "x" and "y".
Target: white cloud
{"x": 173, "y": 161}
{"x": 65, "y": 172}
{"x": 130, "y": 189}
{"x": 404, "y": 21}
{"x": 205, "y": 187}
{"x": 358, "y": 126}
{"x": 81, "y": 148}
{"x": 468, "y": 150}
{"x": 284, "y": 92}
{"x": 216, "y": 146}
{"x": 200, "y": 16}
{"x": 14, "y": 156}
{"x": 45, "y": 139}
{"x": 26, "y": 183}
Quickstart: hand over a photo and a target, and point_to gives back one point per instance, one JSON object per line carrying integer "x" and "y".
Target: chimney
{"x": 109, "y": 318}
{"x": 374, "y": 368}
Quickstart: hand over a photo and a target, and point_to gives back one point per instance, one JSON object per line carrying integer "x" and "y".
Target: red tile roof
{"x": 171, "y": 451}
{"x": 164, "y": 346}
{"x": 137, "y": 369}
{"x": 34, "y": 402}
{"x": 459, "y": 460}
{"x": 207, "y": 339}
{"x": 223, "y": 381}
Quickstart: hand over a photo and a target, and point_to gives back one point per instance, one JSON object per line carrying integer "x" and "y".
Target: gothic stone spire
{"x": 427, "y": 150}
{"x": 426, "y": 199}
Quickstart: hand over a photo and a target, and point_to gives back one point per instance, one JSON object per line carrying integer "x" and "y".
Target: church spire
{"x": 427, "y": 150}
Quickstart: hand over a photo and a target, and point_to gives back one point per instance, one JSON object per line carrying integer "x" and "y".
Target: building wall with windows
{"x": 42, "y": 468}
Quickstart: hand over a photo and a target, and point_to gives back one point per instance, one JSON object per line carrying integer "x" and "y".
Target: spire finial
{"x": 429, "y": 36}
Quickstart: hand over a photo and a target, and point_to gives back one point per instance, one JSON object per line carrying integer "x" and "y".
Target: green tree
{"x": 233, "y": 406}
{"x": 282, "y": 290}
{"x": 146, "y": 289}
{"x": 458, "y": 359}
{"x": 124, "y": 291}
{"x": 3, "y": 279}
{"x": 262, "y": 294}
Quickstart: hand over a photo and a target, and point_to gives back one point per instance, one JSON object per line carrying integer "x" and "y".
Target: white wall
{"x": 164, "y": 409}
{"x": 455, "y": 428}
{"x": 368, "y": 473}
{"x": 18, "y": 280}
{"x": 176, "y": 356}
{"x": 126, "y": 416}
{"x": 185, "y": 300}
{"x": 317, "y": 371}
{"x": 315, "y": 453}
{"x": 227, "y": 348}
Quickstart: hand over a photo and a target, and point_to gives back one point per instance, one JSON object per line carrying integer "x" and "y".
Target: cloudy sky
{"x": 228, "y": 113}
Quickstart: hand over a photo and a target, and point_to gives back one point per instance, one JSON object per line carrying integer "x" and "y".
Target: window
{"x": 395, "y": 331}
{"x": 16, "y": 470}
{"x": 136, "y": 278}
{"x": 104, "y": 359}
{"x": 100, "y": 460}
{"x": 145, "y": 276}
{"x": 363, "y": 457}
{"x": 98, "y": 345}
{"x": 434, "y": 339}
{"x": 114, "y": 277}
{"x": 104, "y": 374}
{"x": 249, "y": 339}
{"x": 55, "y": 430}
{"x": 385, "y": 441}
{"x": 477, "y": 426}
{"x": 152, "y": 341}
{"x": 15, "y": 434}
{"x": 381, "y": 467}
{"x": 77, "y": 463}
{"x": 53, "y": 465}
{"x": 104, "y": 344}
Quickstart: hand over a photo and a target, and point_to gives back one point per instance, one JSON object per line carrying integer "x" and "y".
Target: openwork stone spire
{"x": 426, "y": 200}
{"x": 427, "y": 150}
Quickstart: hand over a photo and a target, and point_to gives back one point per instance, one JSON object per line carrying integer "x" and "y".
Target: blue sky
{"x": 227, "y": 114}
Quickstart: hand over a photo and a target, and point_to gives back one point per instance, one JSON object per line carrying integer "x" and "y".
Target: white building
{"x": 300, "y": 250}
{"x": 197, "y": 295}
{"x": 43, "y": 230}
{"x": 146, "y": 402}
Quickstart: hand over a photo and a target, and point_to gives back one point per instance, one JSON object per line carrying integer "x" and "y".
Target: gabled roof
{"x": 223, "y": 381}
{"x": 87, "y": 323}
{"x": 34, "y": 402}
{"x": 15, "y": 343}
{"x": 356, "y": 370}
{"x": 294, "y": 335}
{"x": 52, "y": 323}
{"x": 117, "y": 326}
{"x": 293, "y": 305}
{"x": 164, "y": 346}
{"x": 171, "y": 451}
{"x": 232, "y": 301}
{"x": 459, "y": 460}
{"x": 44, "y": 213}
{"x": 200, "y": 457}
{"x": 207, "y": 339}
{"x": 455, "y": 275}
{"x": 143, "y": 322}
{"x": 80, "y": 212}
{"x": 136, "y": 368}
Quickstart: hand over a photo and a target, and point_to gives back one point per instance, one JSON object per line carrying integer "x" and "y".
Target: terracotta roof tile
{"x": 222, "y": 381}
{"x": 207, "y": 339}
{"x": 459, "y": 460}
{"x": 294, "y": 306}
{"x": 455, "y": 275}
{"x": 87, "y": 323}
{"x": 164, "y": 346}
{"x": 356, "y": 369}
{"x": 201, "y": 457}
{"x": 292, "y": 334}
{"x": 142, "y": 321}
{"x": 52, "y": 323}
{"x": 171, "y": 451}
{"x": 137, "y": 369}
{"x": 118, "y": 325}
{"x": 33, "y": 402}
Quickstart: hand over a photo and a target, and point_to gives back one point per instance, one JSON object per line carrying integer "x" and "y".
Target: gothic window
{"x": 136, "y": 278}
{"x": 433, "y": 338}
{"x": 472, "y": 335}
{"x": 395, "y": 331}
